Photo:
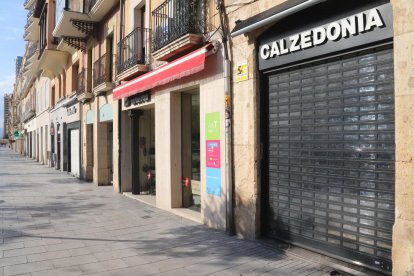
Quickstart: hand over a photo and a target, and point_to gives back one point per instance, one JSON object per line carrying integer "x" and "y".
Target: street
{"x": 54, "y": 224}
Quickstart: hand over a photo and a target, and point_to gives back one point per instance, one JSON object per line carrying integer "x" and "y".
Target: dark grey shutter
{"x": 331, "y": 156}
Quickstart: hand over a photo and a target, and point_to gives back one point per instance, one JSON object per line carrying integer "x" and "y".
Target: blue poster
{"x": 213, "y": 181}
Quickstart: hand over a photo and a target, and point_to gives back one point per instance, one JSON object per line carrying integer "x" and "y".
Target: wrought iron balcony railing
{"x": 134, "y": 49}
{"x": 102, "y": 70}
{"x": 16, "y": 120}
{"x": 81, "y": 82}
{"x": 29, "y": 111}
{"x": 175, "y": 18}
{"x": 89, "y": 5}
{"x": 30, "y": 13}
{"x": 28, "y": 21}
{"x": 27, "y": 85}
{"x": 32, "y": 50}
{"x": 69, "y": 5}
{"x": 43, "y": 31}
{"x": 60, "y": 6}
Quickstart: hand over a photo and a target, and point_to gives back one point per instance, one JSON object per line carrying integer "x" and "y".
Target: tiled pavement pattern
{"x": 53, "y": 224}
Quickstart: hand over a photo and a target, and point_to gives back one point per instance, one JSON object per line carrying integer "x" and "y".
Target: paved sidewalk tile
{"x": 54, "y": 224}
{"x": 13, "y": 261}
{"x": 141, "y": 270}
{"x": 66, "y": 271}
{"x": 121, "y": 253}
{"x": 27, "y": 268}
{"x": 24, "y": 251}
{"x": 11, "y": 246}
{"x": 48, "y": 256}
{"x": 77, "y": 260}
{"x": 103, "y": 266}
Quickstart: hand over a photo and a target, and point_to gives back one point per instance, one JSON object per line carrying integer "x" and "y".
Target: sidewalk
{"x": 53, "y": 224}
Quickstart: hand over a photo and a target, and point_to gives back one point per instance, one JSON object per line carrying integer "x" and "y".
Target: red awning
{"x": 177, "y": 69}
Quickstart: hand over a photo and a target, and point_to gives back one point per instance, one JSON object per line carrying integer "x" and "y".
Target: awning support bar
{"x": 277, "y": 17}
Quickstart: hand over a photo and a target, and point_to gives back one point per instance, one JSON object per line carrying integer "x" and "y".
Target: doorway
{"x": 110, "y": 152}
{"x": 89, "y": 152}
{"x": 52, "y": 150}
{"x": 74, "y": 152}
{"x": 37, "y": 146}
{"x": 30, "y": 145}
{"x": 190, "y": 139}
{"x": 58, "y": 145}
{"x": 143, "y": 145}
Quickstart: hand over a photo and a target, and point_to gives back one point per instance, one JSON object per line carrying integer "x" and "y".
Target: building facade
{"x": 7, "y": 99}
{"x": 283, "y": 119}
{"x": 320, "y": 125}
{"x": 173, "y": 88}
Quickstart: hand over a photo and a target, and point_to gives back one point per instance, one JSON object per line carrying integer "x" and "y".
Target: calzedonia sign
{"x": 356, "y": 30}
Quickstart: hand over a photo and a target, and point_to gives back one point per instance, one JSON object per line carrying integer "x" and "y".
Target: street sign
{"x": 16, "y": 134}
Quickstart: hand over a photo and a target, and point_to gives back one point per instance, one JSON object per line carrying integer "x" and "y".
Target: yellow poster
{"x": 242, "y": 72}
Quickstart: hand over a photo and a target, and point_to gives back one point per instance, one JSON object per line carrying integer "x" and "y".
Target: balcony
{"x": 133, "y": 54}
{"x": 16, "y": 120}
{"x": 102, "y": 74}
{"x": 178, "y": 21}
{"x": 31, "y": 51}
{"x": 31, "y": 28}
{"x": 81, "y": 82}
{"x": 29, "y": 19}
{"x": 72, "y": 19}
{"x": 28, "y": 4}
{"x": 32, "y": 63}
{"x": 28, "y": 83}
{"x": 51, "y": 61}
{"x": 98, "y": 9}
{"x": 82, "y": 93}
{"x": 30, "y": 14}
{"x": 29, "y": 112}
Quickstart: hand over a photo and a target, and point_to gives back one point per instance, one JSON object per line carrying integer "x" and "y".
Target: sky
{"x": 12, "y": 22}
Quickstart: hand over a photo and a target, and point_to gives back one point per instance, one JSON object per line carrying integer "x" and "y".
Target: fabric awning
{"x": 182, "y": 67}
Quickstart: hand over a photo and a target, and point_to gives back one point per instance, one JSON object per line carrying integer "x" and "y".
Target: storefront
{"x": 97, "y": 133}
{"x": 105, "y": 140}
{"x": 73, "y": 136}
{"x": 328, "y": 132}
{"x": 57, "y": 132}
{"x": 30, "y": 129}
{"x": 142, "y": 133}
{"x": 88, "y": 141}
{"x": 173, "y": 137}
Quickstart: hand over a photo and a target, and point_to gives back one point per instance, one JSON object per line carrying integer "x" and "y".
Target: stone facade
{"x": 403, "y": 231}
{"x": 246, "y": 120}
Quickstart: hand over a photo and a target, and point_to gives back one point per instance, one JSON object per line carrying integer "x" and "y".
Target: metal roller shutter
{"x": 331, "y": 156}
{"x": 74, "y": 152}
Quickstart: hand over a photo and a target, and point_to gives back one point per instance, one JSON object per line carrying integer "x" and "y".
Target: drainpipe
{"x": 228, "y": 121}
{"x": 121, "y": 28}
